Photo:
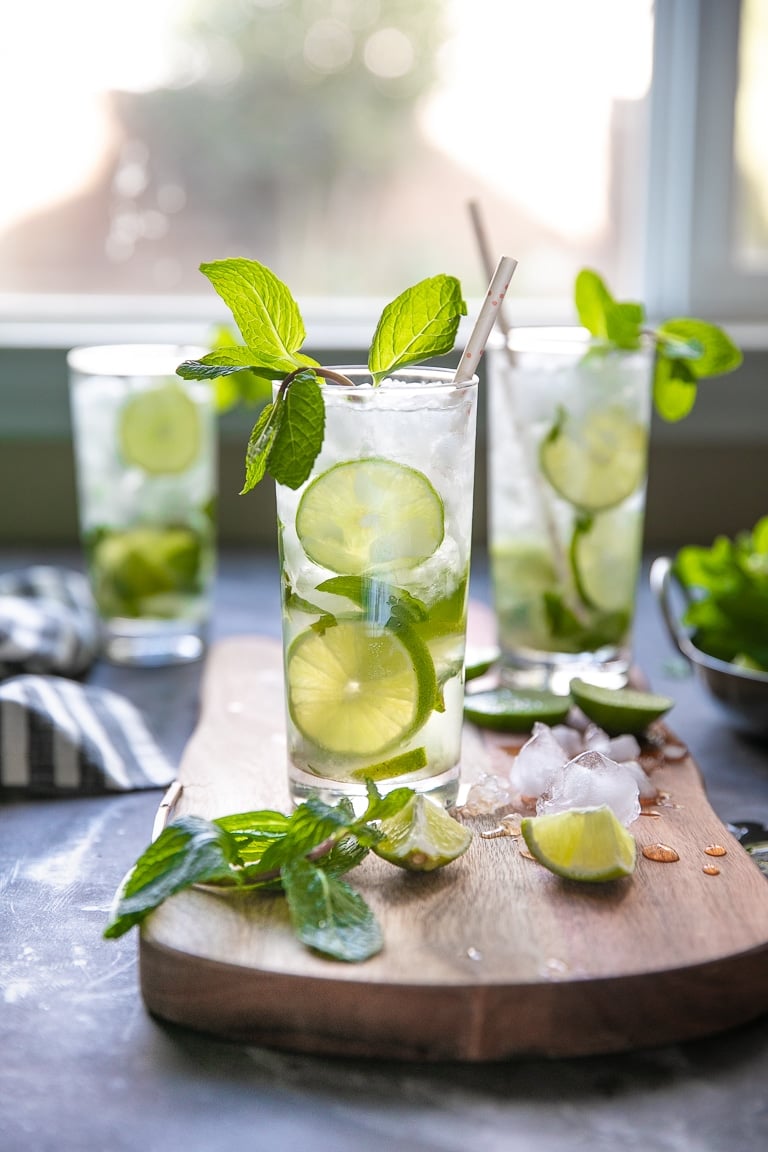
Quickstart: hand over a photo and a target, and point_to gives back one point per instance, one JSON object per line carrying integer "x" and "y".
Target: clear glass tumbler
{"x": 145, "y": 458}
{"x": 567, "y": 465}
{"x": 375, "y": 553}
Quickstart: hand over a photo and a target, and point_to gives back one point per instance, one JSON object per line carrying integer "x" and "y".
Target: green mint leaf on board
{"x": 189, "y": 851}
{"x": 253, "y": 832}
{"x": 328, "y": 915}
{"x": 300, "y": 433}
{"x": 422, "y": 322}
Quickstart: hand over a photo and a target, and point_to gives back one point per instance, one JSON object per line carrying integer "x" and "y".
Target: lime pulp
{"x": 370, "y": 515}
{"x": 422, "y": 836}
{"x": 587, "y": 844}
{"x": 597, "y": 462}
{"x": 159, "y": 430}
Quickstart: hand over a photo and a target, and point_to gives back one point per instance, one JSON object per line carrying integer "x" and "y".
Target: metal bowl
{"x": 742, "y": 694}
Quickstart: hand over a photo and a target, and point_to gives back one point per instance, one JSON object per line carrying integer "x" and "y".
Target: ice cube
{"x": 588, "y": 781}
{"x": 536, "y": 764}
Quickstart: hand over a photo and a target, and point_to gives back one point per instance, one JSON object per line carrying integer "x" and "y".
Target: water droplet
{"x": 474, "y": 954}
{"x": 715, "y": 850}
{"x": 711, "y": 869}
{"x": 662, "y": 853}
{"x": 554, "y": 969}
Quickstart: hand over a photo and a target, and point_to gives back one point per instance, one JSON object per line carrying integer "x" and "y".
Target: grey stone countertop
{"x": 84, "y": 1068}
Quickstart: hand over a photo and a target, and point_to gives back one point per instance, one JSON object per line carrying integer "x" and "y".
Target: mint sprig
{"x": 421, "y": 322}
{"x": 687, "y": 350}
{"x": 306, "y": 855}
{"x": 288, "y": 435}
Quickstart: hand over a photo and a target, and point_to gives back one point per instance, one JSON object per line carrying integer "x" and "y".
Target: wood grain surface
{"x": 490, "y": 957}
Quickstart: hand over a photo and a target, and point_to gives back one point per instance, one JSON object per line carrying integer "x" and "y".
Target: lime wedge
{"x": 515, "y": 710}
{"x": 619, "y": 710}
{"x": 581, "y": 844}
{"x": 478, "y": 661}
{"x": 159, "y": 430}
{"x": 422, "y": 836}
{"x": 596, "y": 462}
{"x": 605, "y": 557}
{"x": 370, "y": 515}
{"x": 357, "y": 690}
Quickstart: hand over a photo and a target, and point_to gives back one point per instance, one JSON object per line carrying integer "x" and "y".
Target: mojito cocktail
{"x": 145, "y": 453}
{"x": 375, "y": 552}
{"x": 568, "y": 442}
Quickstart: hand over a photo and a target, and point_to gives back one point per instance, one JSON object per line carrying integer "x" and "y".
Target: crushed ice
{"x": 567, "y": 766}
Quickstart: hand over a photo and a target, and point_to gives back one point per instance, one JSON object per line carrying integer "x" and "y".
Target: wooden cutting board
{"x": 490, "y": 957}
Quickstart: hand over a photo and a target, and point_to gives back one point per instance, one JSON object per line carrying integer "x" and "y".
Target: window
{"x": 338, "y": 141}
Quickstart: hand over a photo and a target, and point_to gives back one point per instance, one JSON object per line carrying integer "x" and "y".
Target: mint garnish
{"x": 421, "y": 322}
{"x": 304, "y": 854}
{"x": 286, "y": 439}
{"x": 687, "y": 350}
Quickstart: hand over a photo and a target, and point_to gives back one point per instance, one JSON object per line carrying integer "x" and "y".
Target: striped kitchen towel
{"x": 59, "y": 737}
{"x": 48, "y": 623}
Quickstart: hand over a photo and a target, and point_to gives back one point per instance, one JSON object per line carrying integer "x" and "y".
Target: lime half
{"x": 597, "y": 462}
{"x": 159, "y": 430}
{"x": 422, "y": 836}
{"x": 370, "y": 515}
{"x": 515, "y": 710}
{"x": 581, "y": 844}
{"x": 619, "y": 710}
{"x": 355, "y": 690}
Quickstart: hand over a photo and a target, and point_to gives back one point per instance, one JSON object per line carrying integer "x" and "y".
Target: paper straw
{"x": 484, "y": 248}
{"x": 486, "y": 319}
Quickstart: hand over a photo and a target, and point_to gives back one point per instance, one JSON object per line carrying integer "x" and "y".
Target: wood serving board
{"x": 490, "y": 957}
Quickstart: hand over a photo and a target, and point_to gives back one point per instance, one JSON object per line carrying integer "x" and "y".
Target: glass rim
{"x": 131, "y": 359}
{"x": 563, "y": 340}
{"x": 424, "y": 376}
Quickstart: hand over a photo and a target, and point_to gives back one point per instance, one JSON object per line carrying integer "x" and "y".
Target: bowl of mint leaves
{"x": 714, "y": 601}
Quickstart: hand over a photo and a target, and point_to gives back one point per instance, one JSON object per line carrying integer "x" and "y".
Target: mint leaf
{"x": 379, "y": 598}
{"x": 674, "y": 387}
{"x": 300, "y": 433}
{"x": 624, "y": 324}
{"x": 265, "y": 312}
{"x": 328, "y": 915}
{"x": 288, "y": 434}
{"x": 253, "y": 832}
{"x": 714, "y": 351}
{"x": 189, "y": 851}
{"x": 593, "y": 301}
{"x": 263, "y": 436}
{"x": 421, "y": 322}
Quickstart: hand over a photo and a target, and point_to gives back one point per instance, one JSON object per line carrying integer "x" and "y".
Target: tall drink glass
{"x": 145, "y": 457}
{"x": 568, "y": 440}
{"x": 375, "y": 551}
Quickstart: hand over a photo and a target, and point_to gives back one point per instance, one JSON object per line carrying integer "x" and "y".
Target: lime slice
{"x": 403, "y": 765}
{"x": 159, "y": 430}
{"x": 581, "y": 844}
{"x": 619, "y": 710}
{"x": 370, "y": 515}
{"x": 422, "y": 836}
{"x": 515, "y": 710}
{"x": 596, "y": 462}
{"x": 357, "y": 690}
{"x": 605, "y": 557}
